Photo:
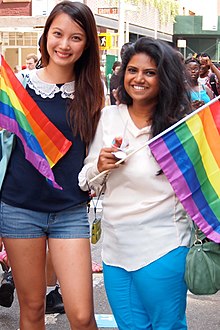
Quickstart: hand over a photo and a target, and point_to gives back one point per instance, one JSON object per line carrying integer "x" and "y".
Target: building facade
{"x": 22, "y": 22}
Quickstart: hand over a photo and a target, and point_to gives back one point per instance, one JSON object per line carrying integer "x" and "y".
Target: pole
{"x": 121, "y": 20}
{"x": 127, "y": 27}
{"x": 155, "y": 22}
{"x": 158, "y": 136}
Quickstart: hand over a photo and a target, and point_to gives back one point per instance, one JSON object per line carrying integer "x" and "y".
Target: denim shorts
{"x": 16, "y": 222}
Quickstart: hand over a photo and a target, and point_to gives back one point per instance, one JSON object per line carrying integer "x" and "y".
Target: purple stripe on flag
{"x": 177, "y": 179}
{"x": 41, "y": 164}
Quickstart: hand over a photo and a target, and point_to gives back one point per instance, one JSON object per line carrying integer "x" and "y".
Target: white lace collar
{"x": 49, "y": 90}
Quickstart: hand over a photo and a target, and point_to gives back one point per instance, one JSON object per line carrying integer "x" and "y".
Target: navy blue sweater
{"x": 25, "y": 187}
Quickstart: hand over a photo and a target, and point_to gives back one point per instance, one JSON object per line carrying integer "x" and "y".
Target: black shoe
{"x": 7, "y": 290}
{"x": 54, "y": 302}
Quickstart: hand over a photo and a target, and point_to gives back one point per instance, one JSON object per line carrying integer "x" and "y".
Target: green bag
{"x": 202, "y": 274}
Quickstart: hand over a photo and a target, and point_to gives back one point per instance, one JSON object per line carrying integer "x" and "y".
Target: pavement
{"x": 203, "y": 312}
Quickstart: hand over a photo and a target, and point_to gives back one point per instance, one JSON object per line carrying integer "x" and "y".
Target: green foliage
{"x": 167, "y": 9}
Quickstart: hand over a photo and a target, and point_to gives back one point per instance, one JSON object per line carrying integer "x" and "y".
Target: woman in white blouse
{"x": 146, "y": 230}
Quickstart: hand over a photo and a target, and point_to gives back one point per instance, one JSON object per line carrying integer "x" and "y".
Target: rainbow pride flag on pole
{"x": 189, "y": 155}
{"x": 43, "y": 143}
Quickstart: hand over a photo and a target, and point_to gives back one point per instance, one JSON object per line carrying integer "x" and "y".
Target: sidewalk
{"x": 202, "y": 312}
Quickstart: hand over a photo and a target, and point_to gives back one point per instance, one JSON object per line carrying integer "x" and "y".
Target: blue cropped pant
{"x": 151, "y": 298}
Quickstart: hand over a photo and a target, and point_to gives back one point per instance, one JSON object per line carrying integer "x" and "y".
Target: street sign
{"x": 108, "y": 11}
{"x": 181, "y": 43}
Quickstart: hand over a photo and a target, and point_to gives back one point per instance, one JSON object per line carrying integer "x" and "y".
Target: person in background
{"x": 54, "y": 301}
{"x": 209, "y": 73}
{"x": 114, "y": 81}
{"x": 114, "y": 90}
{"x": 33, "y": 213}
{"x": 124, "y": 47}
{"x": 146, "y": 231}
{"x": 7, "y": 286}
{"x": 199, "y": 94}
{"x": 104, "y": 80}
{"x": 31, "y": 62}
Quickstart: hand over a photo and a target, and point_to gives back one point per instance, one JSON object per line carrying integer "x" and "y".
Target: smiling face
{"x": 141, "y": 80}
{"x": 66, "y": 41}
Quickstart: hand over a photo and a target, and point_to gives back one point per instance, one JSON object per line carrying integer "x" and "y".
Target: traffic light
{"x": 105, "y": 41}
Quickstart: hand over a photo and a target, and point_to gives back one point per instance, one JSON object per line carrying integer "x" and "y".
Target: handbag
{"x": 202, "y": 274}
{"x": 96, "y": 228}
{"x": 6, "y": 145}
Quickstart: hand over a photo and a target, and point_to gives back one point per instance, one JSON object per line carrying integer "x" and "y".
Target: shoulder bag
{"x": 202, "y": 274}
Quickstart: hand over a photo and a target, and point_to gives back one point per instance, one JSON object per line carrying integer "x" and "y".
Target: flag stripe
{"x": 204, "y": 163}
{"x": 177, "y": 180}
{"x": 54, "y": 153}
{"x": 28, "y": 103}
{"x": 204, "y": 193}
{"x": 186, "y": 171}
{"x": 189, "y": 156}
{"x": 16, "y": 129}
{"x": 8, "y": 98}
{"x": 31, "y": 156}
{"x": 43, "y": 143}
{"x": 8, "y": 110}
{"x": 215, "y": 113}
{"x": 207, "y": 119}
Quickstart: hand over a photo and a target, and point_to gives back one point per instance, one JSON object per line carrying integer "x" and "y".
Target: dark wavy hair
{"x": 173, "y": 99}
{"x": 192, "y": 60}
{"x": 85, "y": 109}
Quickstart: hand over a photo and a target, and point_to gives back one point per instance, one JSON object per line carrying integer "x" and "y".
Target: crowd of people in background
{"x": 207, "y": 72}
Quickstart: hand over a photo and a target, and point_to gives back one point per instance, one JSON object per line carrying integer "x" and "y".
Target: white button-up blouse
{"x": 142, "y": 217}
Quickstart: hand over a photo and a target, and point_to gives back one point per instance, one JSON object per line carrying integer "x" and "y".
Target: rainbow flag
{"x": 189, "y": 155}
{"x": 43, "y": 143}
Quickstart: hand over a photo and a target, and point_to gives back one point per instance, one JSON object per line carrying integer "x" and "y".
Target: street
{"x": 203, "y": 312}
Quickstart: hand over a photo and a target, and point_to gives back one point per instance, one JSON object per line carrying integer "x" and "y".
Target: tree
{"x": 167, "y": 9}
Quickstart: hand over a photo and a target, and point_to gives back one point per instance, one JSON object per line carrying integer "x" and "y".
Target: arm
{"x": 99, "y": 159}
{"x": 213, "y": 68}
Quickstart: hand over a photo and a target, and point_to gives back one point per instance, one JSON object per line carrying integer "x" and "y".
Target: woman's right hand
{"x": 107, "y": 160}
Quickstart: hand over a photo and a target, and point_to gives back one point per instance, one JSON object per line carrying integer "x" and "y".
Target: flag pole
{"x": 158, "y": 136}
{"x": 184, "y": 119}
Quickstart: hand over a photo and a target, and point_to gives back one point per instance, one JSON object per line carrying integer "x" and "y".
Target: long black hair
{"x": 173, "y": 99}
{"x": 85, "y": 109}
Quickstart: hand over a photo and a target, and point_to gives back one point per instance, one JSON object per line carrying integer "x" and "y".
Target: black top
{"x": 25, "y": 187}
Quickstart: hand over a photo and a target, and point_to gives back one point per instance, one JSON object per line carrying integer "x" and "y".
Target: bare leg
{"x": 27, "y": 259}
{"x": 72, "y": 263}
{"x": 50, "y": 273}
